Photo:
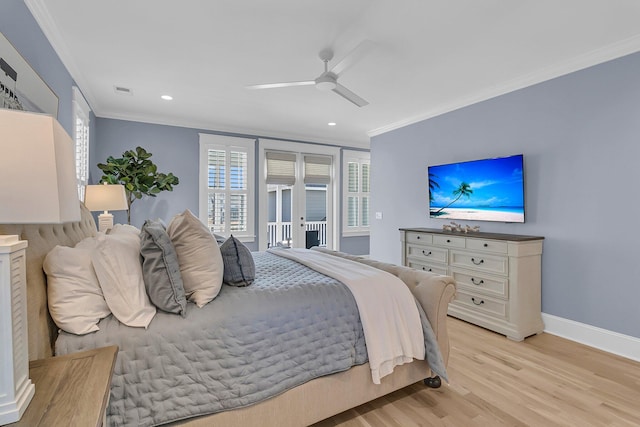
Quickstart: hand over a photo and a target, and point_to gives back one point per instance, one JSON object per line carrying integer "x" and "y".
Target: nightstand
{"x": 71, "y": 390}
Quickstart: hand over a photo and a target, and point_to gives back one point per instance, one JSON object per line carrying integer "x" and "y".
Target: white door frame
{"x": 333, "y": 188}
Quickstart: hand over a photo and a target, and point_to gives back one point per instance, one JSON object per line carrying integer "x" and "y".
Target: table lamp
{"x": 37, "y": 185}
{"x": 105, "y": 197}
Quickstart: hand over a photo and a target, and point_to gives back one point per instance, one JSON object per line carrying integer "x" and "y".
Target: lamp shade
{"x": 105, "y": 198}
{"x": 37, "y": 170}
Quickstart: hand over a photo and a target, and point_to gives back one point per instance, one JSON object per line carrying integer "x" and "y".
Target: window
{"x": 356, "y": 177}
{"x": 226, "y": 185}
{"x": 81, "y": 112}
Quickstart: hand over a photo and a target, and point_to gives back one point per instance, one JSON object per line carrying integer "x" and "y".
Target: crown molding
{"x": 38, "y": 9}
{"x": 237, "y": 131}
{"x": 576, "y": 63}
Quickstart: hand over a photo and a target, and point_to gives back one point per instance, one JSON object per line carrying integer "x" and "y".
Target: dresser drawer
{"x": 481, "y": 262}
{"x": 419, "y": 238}
{"x": 433, "y": 268}
{"x": 449, "y": 241}
{"x": 428, "y": 254}
{"x": 481, "y": 303}
{"x": 484, "y": 245}
{"x": 481, "y": 283}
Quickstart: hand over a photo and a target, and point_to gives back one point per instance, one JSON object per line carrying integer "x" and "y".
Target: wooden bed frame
{"x": 303, "y": 405}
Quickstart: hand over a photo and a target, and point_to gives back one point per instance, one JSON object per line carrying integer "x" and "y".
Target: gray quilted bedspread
{"x": 290, "y": 326}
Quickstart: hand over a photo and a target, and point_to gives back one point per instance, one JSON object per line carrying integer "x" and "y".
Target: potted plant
{"x": 138, "y": 175}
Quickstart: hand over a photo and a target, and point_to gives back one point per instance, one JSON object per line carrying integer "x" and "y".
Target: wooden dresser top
{"x": 477, "y": 234}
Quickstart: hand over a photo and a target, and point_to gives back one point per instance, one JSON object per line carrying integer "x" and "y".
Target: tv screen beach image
{"x": 479, "y": 190}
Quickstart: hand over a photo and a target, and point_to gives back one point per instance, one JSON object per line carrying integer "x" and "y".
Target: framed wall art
{"x": 21, "y": 88}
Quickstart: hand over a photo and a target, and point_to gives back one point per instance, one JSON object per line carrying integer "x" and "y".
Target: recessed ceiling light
{"x": 331, "y": 123}
{"x": 167, "y": 97}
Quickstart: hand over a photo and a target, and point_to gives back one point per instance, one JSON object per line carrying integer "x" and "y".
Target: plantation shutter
{"x": 317, "y": 170}
{"x": 81, "y": 112}
{"x": 228, "y": 190}
{"x": 281, "y": 168}
{"x": 357, "y": 176}
{"x": 364, "y": 189}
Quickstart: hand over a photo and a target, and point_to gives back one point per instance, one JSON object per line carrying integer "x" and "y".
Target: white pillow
{"x": 116, "y": 260}
{"x": 75, "y": 299}
{"x": 124, "y": 228}
{"x": 199, "y": 257}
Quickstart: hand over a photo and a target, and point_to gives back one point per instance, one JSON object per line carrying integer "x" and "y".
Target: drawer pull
{"x": 448, "y": 241}
{"x": 473, "y": 260}
{"x": 425, "y": 269}
{"x": 473, "y": 280}
{"x": 477, "y": 303}
{"x": 486, "y": 245}
{"x": 418, "y": 237}
{"x": 425, "y": 253}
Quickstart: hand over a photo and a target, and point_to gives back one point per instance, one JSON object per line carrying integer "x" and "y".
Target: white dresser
{"x": 498, "y": 276}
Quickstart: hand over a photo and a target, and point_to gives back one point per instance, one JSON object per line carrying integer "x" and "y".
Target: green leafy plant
{"x": 138, "y": 175}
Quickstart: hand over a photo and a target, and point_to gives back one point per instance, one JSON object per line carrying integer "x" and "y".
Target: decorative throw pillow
{"x": 160, "y": 269}
{"x": 76, "y": 303}
{"x": 116, "y": 260}
{"x": 239, "y": 266}
{"x": 199, "y": 257}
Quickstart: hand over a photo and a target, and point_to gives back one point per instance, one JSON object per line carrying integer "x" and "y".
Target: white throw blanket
{"x": 388, "y": 311}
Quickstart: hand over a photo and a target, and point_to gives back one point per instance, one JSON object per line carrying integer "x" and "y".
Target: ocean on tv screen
{"x": 480, "y": 190}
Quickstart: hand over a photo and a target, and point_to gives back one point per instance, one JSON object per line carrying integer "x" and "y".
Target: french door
{"x": 297, "y": 195}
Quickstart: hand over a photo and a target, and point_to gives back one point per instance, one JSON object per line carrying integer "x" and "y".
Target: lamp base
{"x": 16, "y": 389}
{"x": 105, "y": 222}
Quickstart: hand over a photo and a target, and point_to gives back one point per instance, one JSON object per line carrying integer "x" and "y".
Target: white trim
{"x": 241, "y": 131}
{"x": 603, "y": 339}
{"x": 208, "y": 141}
{"x": 594, "y": 57}
{"x": 38, "y": 9}
{"x": 300, "y": 148}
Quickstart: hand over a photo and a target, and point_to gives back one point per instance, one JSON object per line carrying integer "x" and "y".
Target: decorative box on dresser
{"x": 498, "y": 276}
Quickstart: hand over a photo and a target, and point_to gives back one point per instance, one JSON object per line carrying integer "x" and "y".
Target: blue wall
{"x": 176, "y": 150}
{"x": 580, "y": 137}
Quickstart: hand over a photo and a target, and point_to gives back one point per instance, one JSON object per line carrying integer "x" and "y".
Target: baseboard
{"x": 603, "y": 339}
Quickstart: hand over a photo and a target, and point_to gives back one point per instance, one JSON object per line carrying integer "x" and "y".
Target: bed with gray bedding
{"x": 250, "y": 343}
{"x": 304, "y": 404}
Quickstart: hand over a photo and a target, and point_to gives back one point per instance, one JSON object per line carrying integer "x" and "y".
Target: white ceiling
{"x": 430, "y": 56}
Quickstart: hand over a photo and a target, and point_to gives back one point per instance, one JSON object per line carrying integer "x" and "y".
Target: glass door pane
{"x": 316, "y": 211}
{"x": 279, "y": 230}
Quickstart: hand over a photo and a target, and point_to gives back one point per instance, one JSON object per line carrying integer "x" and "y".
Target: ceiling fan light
{"x": 326, "y": 82}
{"x": 326, "y": 85}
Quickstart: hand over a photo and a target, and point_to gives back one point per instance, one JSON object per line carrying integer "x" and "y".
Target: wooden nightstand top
{"x": 71, "y": 390}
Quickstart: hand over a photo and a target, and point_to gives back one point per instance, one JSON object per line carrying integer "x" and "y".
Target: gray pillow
{"x": 160, "y": 269}
{"x": 239, "y": 267}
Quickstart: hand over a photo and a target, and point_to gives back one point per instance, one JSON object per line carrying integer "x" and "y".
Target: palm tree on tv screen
{"x": 433, "y": 184}
{"x": 463, "y": 190}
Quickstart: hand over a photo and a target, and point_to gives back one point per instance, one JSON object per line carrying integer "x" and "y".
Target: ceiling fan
{"x": 328, "y": 80}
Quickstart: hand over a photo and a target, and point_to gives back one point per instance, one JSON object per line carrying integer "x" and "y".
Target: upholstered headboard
{"x": 42, "y": 238}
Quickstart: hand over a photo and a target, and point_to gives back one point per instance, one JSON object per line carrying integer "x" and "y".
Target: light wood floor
{"x": 542, "y": 381}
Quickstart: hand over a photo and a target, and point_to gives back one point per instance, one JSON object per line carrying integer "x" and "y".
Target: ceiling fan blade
{"x": 284, "y": 84}
{"x": 349, "y": 96}
{"x": 359, "y": 52}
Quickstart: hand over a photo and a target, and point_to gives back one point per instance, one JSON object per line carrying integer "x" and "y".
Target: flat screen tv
{"x": 478, "y": 190}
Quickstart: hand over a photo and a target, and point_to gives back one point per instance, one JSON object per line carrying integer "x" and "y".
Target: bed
{"x": 299, "y": 404}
